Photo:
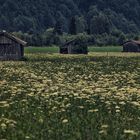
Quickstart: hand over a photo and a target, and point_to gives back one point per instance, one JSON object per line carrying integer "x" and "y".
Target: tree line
{"x": 46, "y": 22}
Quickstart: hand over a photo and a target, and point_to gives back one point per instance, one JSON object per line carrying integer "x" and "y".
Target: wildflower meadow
{"x": 70, "y": 97}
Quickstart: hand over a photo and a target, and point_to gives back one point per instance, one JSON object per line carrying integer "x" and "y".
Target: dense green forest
{"x": 101, "y": 21}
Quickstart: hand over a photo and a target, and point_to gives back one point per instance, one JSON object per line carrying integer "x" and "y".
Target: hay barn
{"x": 74, "y": 47}
{"x": 131, "y": 46}
{"x": 11, "y": 47}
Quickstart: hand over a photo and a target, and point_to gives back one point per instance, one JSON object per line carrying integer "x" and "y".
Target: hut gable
{"x": 73, "y": 47}
{"x": 131, "y": 46}
{"x": 11, "y": 47}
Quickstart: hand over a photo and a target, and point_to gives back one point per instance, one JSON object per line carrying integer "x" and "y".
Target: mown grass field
{"x": 34, "y": 50}
{"x": 71, "y": 97}
{"x": 55, "y": 49}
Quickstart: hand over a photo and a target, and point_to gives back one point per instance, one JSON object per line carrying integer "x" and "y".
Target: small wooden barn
{"x": 11, "y": 47}
{"x": 131, "y": 46}
{"x": 74, "y": 47}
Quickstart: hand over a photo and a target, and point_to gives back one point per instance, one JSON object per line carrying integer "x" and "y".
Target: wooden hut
{"x": 11, "y": 47}
{"x": 74, "y": 47}
{"x": 131, "y": 46}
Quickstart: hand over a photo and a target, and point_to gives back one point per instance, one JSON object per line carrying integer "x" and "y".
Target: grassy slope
{"x": 56, "y": 49}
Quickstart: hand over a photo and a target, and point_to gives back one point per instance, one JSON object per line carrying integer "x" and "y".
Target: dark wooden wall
{"x": 10, "y": 49}
{"x": 131, "y": 47}
{"x": 74, "y": 49}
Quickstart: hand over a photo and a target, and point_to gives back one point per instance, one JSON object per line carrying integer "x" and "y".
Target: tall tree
{"x": 72, "y": 27}
{"x": 3, "y": 23}
{"x": 100, "y": 24}
{"x": 81, "y": 25}
{"x": 58, "y": 27}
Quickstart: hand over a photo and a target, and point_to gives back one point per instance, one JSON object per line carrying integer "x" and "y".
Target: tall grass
{"x": 70, "y": 97}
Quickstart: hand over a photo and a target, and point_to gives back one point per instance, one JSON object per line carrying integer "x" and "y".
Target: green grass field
{"x": 105, "y": 49}
{"x": 41, "y": 50}
{"x": 56, "y": 49}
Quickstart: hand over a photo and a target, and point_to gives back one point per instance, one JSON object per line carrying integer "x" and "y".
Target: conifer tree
{"x": 58, "y": 28}
{"x": 72, "y": 27}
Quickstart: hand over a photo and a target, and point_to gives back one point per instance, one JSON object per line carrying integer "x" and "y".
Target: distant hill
{"x": 38, "y": 15}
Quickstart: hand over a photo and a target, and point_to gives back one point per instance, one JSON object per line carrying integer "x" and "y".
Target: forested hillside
{"x": 90, "y": 16}
{"x": 31, "y": 15}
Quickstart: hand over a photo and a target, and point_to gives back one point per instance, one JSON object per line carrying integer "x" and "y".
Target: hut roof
{"x": 11, "y": 36}
{"x": 133, "y": 41}
{"x": 69, "y": 42}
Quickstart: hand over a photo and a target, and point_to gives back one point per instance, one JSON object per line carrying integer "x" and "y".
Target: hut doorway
{"x": 64, "y": 50}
